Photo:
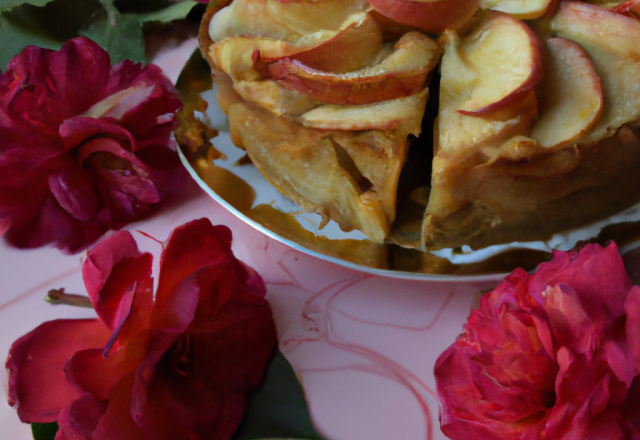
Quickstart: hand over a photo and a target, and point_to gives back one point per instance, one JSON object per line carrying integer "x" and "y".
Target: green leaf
{"x": 15, "y": 37}
{"x": 123, "y": 41}
{"x": 278, "y": 409}
{"x": 44, "y": 431}
{"x": 177, "y": 11}
{"x": 6, "y": 5}
{"x": 121, "y": 35}
{"x": 112, "y": 11}
{"x": 142, "y": 6}
{"x": 49, "y": 26}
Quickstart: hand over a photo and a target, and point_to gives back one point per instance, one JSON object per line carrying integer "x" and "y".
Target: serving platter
{"x": 226, "y": 174}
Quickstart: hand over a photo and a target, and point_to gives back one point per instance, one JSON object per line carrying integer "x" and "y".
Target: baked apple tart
{"x": 536, "y": 108}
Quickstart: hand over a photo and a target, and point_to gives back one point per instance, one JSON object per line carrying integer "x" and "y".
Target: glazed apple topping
{"x": 611, "y": 40}
{"x": 522, "y": 9}
{"x": 528, "y": 89}
{"x": 289, "y": 21}
{"x": 245, "y": 57}
{"x": 433, "y": 16}
{"x": 402, "y": 73}
{"x": 507, "y": 57}
{"x": 569, "y": 96}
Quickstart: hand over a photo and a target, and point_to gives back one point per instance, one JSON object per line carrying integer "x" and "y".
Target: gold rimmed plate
{"x": 228, "y": 176}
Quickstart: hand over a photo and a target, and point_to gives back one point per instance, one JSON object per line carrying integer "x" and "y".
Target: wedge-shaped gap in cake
{"x": 348, "y": 165}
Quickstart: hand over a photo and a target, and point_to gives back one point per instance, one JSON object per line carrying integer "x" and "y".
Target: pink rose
{"x": 84, "y": 147}
{"x": 553, "y": 355}
{"x": 176, "y": 366}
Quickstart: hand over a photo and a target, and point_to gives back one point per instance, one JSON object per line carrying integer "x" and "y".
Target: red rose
{"x": 84, "y": 147}
{"x": 554, "y": 355}
{"x": 176, "y": 367}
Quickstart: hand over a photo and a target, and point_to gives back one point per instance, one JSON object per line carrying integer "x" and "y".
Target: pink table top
{"x": 364, "y": 346}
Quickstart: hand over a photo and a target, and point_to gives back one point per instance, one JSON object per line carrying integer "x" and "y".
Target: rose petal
{"x": 22, "y": 163}
{"x": 166, "y": 170}
{"x": 116, "y": 105}
{"x": 197, "y": 389}
{"x": 113, "y": 157}
{"x": 69, "y": 80}
{"x": 622, "y": 365}
{"x": 568, "y": 320}
{"x": 117, "y": 423}
{"x": 125, "y": 296}
{"x": 136, "y": 188}
{"x": 223, "y": 291}
{"x": 178, "y": 308}
{"x": 190, "y": 248}
{"x": 632, "y": 329}
{"x": 74, "y": 191}
{"x": 464, "y": 406}
{"x": 38, "y": 219}
{"x": 146, "y": 120}
{"x": 610, "y": 425}
{"x": 582, "y": 392}
{"x": 37, "y": 384}
{"x": 79, "y": 418}
{"x": 96, "y": 375}
{"x": 596, "y": 274}
{"x": 77, "y": 130}
{"x": 54, "y": 224}
{"x": 98, "y": 268}
{"x": 23, "y": 208}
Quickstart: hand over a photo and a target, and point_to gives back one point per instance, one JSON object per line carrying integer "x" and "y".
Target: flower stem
{"x": 58, "y": 296}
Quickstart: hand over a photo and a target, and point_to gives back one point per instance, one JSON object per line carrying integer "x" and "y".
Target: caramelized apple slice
{"x": 278, "y": 100}
{"x": 521, "y": 9}
{"x": 433, "y": 16}
{"x": 569, "y": 96}
{"x": 611, "y": 40}
{"x": 403, "y": 73}
{"x": 508, "y": 58}
{"x": 385, "y": 115}
{"x": 288, "y": 21}
{"x": 244, "y": 57}
{"x": 354, "y": 46}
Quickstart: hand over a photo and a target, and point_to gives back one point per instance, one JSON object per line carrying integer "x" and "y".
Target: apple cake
{"x": 535, "y": 107}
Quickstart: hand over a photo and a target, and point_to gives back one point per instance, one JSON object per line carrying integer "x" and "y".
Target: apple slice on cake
{"x": 245, "y": 57}
{"x": 611, "y": 40}
{"x": 507, "y": 57}
{"x": 521, "y": 9}
{"x": 288, "y": 20}
{"x": 433, "y": 16}
{"x": 570, "y": 99}
{"x": 402, "y": 73}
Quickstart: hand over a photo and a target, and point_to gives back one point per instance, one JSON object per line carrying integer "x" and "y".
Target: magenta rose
{"x": 176, "y": 365}
{"x": 84, "y": 146}
{"x": 554, "y": 355}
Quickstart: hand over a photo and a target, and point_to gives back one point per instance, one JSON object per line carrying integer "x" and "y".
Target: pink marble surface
{"x": 364, "y": 346}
